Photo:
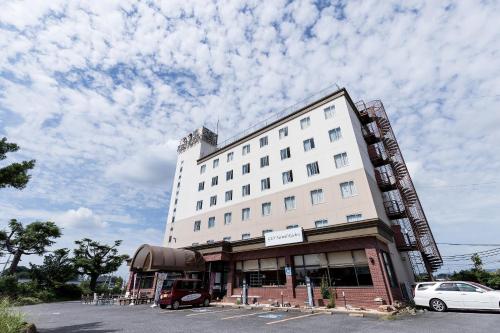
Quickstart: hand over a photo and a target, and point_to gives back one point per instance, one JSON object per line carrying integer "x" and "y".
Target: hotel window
{"x": 245, "y": 190}
{"x": 197, "y": 225}
{"x": 283, "y": 132}
{"x": 201, "y": 186}
{"x": 245, "y": 168}
{"x": 215, "y": 163}
{"x": 266, "y": 209}
{"x": 263, "y": 141}
{"x": 309, "y": 144}
{"x": 287, "y": 177}
{"x": 265, "y": 184}
{"x": 203, "y": 168}
{"x": 348, "y": 189}
{"x": 229, "y": 175}
{"x": 341, "y": 160}
{"x": 230, "y": 156}
{"x": 312, "y": 169}
{"x": 245, "y": 236}
{"x": 215, "y": 180}
{"x": 264, "y": 161}
{"x": 320, "y": 223}
{"x": 199, "y": 205}
{"x": 389, "y": 269}
{"x": 289, "y": 203}
{"x": 213, "y": 200}
{"x": 317, "y": 196}
{"x": 265, "y": 272}
{"x": 335, "y": 134}
{"x": 354, "y": 217}
{"x": 245, "y": 149}
{"x": 211, "y": 222}
{"x": 305, "y": 122}
{"x": 245, "y": 214}
{"x": 285, "y": 153}
{"x": 227, "y": 218}
{"x": 329, "y": 111}
{"x": 229, "y": 195}
{"x": 226, "y": 239}
{"x": 292, "y": 226}
{"x": 264, "y": 232}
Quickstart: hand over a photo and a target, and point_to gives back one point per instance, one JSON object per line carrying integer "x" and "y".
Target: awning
{"x": 149, "y": 258}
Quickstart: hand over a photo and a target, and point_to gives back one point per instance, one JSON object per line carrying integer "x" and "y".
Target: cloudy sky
{"x": 99, "y": 92}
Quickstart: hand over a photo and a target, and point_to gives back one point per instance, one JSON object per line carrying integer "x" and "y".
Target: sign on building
{"x": 288, "y": 236}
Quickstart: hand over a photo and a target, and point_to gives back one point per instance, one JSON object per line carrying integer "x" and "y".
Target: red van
{"x": 179, "y": 292}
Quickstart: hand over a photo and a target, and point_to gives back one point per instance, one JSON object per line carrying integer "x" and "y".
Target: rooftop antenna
{"x": 217, "y": 127}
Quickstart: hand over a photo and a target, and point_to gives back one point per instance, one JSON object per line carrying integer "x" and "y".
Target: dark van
{"x": 179, "y": 292}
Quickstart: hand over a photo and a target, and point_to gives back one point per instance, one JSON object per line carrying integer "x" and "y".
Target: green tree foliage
{"x": 478, "y": 274}
{"x": 15, "y": 174}
{"x": 94, "y": 259}
{"x": 21, "y": 240}
{"x": 57, "y": 269}
{"x": 477, "y": 262}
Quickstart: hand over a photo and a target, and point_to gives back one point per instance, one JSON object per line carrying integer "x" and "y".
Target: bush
{"x": 10, "y": 321}
{"x": 325, "y": 290}
{"x": 331, "y": 300}
{"x": 27, "y": 301}
{"x": 8, "y": 286}
{"x": 45, "y": 295}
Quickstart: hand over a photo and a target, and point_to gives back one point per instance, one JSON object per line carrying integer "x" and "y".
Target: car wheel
{"x": 437, "y": 305}
{"x": 176, "y": 305}
{"x": 163, "y": 306}
{"x": 206, "y": 302}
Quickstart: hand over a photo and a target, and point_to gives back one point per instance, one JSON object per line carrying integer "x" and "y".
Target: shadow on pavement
{"x": 87, "y": 328}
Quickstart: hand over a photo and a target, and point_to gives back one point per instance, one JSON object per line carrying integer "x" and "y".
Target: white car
{"x": 439, "y": 296}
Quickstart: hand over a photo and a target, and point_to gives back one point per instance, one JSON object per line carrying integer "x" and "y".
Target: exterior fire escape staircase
{"x": 400, "y": 198}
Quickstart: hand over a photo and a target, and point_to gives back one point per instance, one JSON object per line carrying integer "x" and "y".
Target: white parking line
{"x": 292, "y": 318}
{"x": 207, "y": 312}
{"x": 176, "y": 311}
{"x": 245, "y": 315}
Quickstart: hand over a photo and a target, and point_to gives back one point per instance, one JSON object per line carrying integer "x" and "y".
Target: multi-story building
{"x": 320, "y": 191}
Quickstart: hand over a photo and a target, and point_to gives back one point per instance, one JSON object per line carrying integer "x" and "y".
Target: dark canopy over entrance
{"x": 150, "y": 258}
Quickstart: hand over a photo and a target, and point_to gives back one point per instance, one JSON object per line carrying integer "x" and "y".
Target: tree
{"x": 477, "y": 262}
{"x": 57, "y": 269}
{"x": 94, "y": 259}
{"x": 15, "y": 174}
{"x": 32, "y": 239}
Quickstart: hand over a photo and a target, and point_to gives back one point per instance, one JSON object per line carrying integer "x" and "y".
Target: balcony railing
{"x": 394, "y": 208}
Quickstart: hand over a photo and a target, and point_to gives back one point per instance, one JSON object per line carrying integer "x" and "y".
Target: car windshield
{"x": 481, "y": 286}
{"x": 167, "y": 284}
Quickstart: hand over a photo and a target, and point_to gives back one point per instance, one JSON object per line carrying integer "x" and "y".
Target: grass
{"x": 10, "y": 321}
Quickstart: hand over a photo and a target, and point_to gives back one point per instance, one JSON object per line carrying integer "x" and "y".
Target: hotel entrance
{"x": 218, "y": 272}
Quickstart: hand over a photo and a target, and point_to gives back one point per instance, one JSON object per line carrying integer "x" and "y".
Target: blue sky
{"x": 100, "y": 92}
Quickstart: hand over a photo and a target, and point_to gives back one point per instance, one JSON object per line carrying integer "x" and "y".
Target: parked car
{"x": 440, "y": 296}
{"x": 179, "y": 292}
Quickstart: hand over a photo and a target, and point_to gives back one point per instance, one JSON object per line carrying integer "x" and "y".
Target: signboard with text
{"x": 288, "y": 236}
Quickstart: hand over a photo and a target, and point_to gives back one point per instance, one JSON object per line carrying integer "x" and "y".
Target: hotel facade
{"x": 320, "y": 191}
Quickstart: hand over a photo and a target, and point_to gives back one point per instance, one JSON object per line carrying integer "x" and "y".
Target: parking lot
{"x": 75, "y": 317}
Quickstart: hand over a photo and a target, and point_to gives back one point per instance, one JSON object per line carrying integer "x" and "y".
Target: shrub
{"x": 27, "y": 301}
{"x": 325, "y": 291}
{"x": 8, "y": 286}
{"x": 331, "y": 300}
{"x": 45, "y": 295}
{"x": 10, "y": 321}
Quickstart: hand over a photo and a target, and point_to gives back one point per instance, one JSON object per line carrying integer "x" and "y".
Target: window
{"x": 341, "y": 160}
{"x": 320, "y": 223}
{"x": 466, "y": 287}
{"x": 448, "y": 286}
{"x": 264, "y": 272}
{"x": 283, "y": 132}
{"x": 265, "y": 184}
{"x": 292, "y": 226}
{"x": 229, "y": 195}
{"x": 245, "y": 149}
{"x": 389, "y": 269}
{"x": 348, "y": 189}
{"x": 215, "y": 163}
{"x": 199, "y": 204}
{"x": 245, "y": 214}
{"x": 263, "y": 141}
{"x": 264, "y": 161}
{"x": 245, "y": 168}
{"x": 197, "y": 225}
{"x": 309, "y": 144}
{"x": 211, "y": 222}
{"x": 287, "y": 177}
{"x": 215, "y": 180}
{"x": 203, "y": 168}
{"x": 317, "y": 196}
{"x": 329, "y": 111}
{"x": 229, "y": 175}
{"x": 226, "y": 239}
{"x": 213, "y": 200}
{"x": 227, "y": 218}
{"x": 354, "y": 217}
{"x": 245, "y": 190}
{"x": 230, "y": 156}
{"x": 266, "y": 209}
{"x": 305, "y": 122}
{"x": 245, "y": 236}
{"x": 335, "y": 134}
{"x": 201, "y": 186}
{"x": 285, "y": 153}
{"x": 312, "y": 169}
{"x": 289, "y": 203}
{"x": 264, "y": 232}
